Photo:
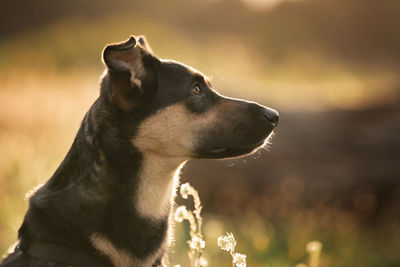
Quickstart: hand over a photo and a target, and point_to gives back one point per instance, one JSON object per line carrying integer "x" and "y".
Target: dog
{"x": 109, "y": 202}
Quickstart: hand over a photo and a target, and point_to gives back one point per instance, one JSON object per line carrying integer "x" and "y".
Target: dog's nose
{"x": 271, "y": 115}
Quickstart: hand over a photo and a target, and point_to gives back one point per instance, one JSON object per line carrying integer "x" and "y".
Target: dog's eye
{"x": 196, "y": 90}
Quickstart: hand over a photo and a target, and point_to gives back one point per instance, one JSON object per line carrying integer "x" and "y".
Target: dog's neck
{"x": 158, "y": 179}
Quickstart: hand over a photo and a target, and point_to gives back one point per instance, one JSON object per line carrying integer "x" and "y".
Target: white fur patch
{"x": 159, "y": 178}
{"x": 121, "y": 258}
{"x": 118, "y": 257}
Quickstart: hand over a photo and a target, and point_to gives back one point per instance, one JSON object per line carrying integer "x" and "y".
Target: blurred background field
{"x": 331, "y": 67}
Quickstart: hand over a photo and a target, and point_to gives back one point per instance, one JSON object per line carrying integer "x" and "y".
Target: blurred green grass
{"x": 320, "y": 81}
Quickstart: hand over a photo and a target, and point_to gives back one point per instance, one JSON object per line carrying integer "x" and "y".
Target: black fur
{"x": 92, "y": 189}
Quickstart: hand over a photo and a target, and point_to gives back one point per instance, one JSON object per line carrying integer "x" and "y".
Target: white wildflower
{"x": 180, "y": 213}
{"x": 239, "y": 260}
{"x": 186, "y": 190}
{"x": 227, "y": 242}
{"x": 197, "y": 242}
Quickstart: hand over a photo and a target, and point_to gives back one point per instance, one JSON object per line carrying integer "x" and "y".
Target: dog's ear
{"x": 126, "y": 57}
{"x": 130, "y": 68}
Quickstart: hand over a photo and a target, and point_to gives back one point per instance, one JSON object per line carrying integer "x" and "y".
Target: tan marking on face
{"x": 172, "y": 132}
{"x": 118, "y": 257}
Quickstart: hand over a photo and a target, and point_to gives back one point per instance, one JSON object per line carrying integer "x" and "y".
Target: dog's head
{"x": 172, "y": 109}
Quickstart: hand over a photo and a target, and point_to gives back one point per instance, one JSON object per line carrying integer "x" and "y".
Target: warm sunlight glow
{"x": 266, "y": 4}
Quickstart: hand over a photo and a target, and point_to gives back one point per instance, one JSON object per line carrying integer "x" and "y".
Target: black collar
{"x": 64, "y": 255}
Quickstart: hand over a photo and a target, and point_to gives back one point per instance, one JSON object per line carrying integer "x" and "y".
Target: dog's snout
{"x": 271, "y": 115}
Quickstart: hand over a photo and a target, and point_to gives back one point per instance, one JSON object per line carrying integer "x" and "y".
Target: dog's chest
{"x": 121, "y": 258}
{"x": 151, "y": 200}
